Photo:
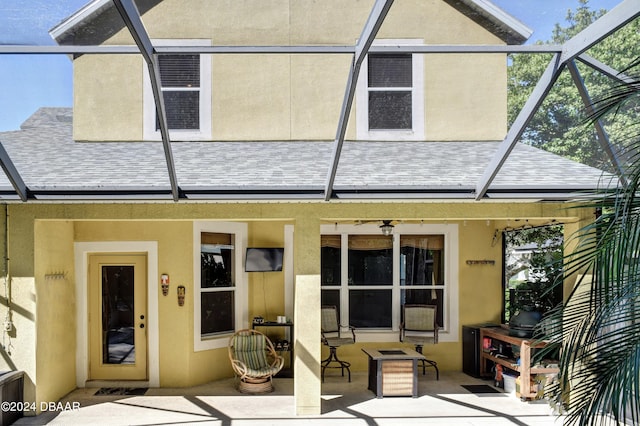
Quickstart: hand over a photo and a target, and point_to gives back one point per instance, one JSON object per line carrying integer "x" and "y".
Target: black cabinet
{"x": 279, "y": 346}
{"x": 471, "y": 348}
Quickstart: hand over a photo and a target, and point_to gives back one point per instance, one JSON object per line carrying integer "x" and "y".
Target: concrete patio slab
{"x": 218, "y": 403}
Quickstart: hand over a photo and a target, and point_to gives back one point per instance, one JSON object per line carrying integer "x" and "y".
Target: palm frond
{"x": 599, "y": 336}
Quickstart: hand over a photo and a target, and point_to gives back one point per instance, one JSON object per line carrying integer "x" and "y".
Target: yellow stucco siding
{"x": 461, "y": 94}
{"x": 317, "y": 91}
{"x": 41, "y": 238}
{"x": 175, "y": 257}
{"x": 107, "y": 97}
{"x": 55, "y": 310}
{"x": 254, "y": 89}
{"x": 298, "y": 97}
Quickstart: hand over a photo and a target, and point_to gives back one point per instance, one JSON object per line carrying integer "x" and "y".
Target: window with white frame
{"x": 185, "y": 83}
{"x": 370, "y": 276}
{"x": 390, "y": 96}
{"x": 219, "y": 296}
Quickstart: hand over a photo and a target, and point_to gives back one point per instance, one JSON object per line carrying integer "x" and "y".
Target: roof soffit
{"x": 95, "y": 23}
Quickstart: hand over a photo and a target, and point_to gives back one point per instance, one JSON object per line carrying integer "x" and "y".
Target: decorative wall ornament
{"x": 164, "y": 282}
{"x": 181, "y": 293}
{"x": 481, "y": 262}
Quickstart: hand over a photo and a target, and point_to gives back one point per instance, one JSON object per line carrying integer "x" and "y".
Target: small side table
{"x": 289, "y": 325}
{"x": 393, "y": 372}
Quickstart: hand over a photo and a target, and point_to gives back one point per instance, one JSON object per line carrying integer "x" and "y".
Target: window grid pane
{"x": 330, "y": 263}
{"x": 411, "y": 296}
{"x": 180, "y": 81}
{"x": 370, "y": 260}
{"x": 390, "y": 70}
{"x": 390, "y": 110}
{"x": 421, "y": 260}
{"x": 179, "y": 70}
{"x": 216, "y": 260}
{"x": 217, "y": 312}
{"x": 182, "y": 109}
{"x": 370, "y": 308}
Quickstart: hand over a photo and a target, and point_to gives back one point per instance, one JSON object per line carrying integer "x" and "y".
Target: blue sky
{"x": 542, "y": 15}
{"x": 28, "y": 82}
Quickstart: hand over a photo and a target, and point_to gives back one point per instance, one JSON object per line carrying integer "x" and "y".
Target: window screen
{"x": 180, "y": 79}
{"x": 390, "y": 81}
{"x": 390, "y": 71}
{"x": 179, "y": 70}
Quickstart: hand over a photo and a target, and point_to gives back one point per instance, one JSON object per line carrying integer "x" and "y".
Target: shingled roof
{"x": 52, "y": 164}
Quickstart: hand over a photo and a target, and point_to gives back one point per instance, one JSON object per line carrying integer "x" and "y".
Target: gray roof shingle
{"x": 48, "y": 158}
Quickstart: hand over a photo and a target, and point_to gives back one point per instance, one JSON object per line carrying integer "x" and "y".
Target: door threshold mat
{"x": 480, "y": 389}
{"x": 121, "y": 391}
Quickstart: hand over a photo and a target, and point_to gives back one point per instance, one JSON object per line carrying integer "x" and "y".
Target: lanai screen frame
{"x": 564, "y": 57}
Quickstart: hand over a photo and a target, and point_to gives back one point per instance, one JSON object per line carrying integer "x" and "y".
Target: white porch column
{"x": 306, "y": 382}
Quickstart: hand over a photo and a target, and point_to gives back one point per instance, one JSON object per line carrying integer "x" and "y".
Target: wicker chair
{"x": 254, "y": 361}
{"x": 419, "y": 327}
{"x": 331, "y": 337}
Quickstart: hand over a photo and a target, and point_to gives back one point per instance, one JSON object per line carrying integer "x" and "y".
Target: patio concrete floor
{"x": 443, "y": 402}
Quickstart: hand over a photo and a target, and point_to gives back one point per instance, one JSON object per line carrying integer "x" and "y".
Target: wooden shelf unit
{"x": 524, "y": 368}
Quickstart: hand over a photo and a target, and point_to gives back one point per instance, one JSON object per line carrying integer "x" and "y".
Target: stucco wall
{"x": 40, "y": 245}
{"x": 55, "y": 308}
{"x": 274, "y": 97}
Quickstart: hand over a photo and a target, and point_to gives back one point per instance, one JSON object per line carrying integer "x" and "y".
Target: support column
{"x": 306, "y": 382}
{"x": 585, "y": 217}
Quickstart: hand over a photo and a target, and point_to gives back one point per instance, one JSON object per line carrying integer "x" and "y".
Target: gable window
{"x": 180, "y": 76}
{"x": 389, "y": 83}
{"x": 390, "y": 96}
{"x": 220, "y": 305}
{"x": 185, "y": 82}
{"x": 369, "y": 276}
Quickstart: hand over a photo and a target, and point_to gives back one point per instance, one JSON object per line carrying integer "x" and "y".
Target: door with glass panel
{"x": 117, "y": 316}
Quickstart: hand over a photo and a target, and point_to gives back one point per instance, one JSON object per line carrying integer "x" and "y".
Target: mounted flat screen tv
{"x": 260, "y": 259}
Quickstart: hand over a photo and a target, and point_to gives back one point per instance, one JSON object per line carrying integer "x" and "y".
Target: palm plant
{"x": 599, "y": 380}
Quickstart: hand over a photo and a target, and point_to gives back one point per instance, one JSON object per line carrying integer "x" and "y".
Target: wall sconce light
{"x": 164, "y": 282}
{"x": 181, "y": 292}
{"x": 386, "y": 227}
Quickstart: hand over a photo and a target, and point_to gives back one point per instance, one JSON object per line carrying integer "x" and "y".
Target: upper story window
{"x": 390, "y": 85}
{"x": 390, "y": 96}
{"x": 180, "y": 77}
{"x": 186, "y": 88}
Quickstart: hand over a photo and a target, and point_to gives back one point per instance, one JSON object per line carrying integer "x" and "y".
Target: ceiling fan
{"x": 386, "y": 224}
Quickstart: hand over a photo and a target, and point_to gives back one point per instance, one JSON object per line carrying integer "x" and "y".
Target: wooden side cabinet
{"x": 524, "y": 368}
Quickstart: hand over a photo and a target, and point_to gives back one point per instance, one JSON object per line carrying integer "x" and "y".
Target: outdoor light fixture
{"x": 386, "y": 227}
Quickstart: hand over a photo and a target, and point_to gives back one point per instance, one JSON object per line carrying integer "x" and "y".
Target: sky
{"x": 28, "y": 82}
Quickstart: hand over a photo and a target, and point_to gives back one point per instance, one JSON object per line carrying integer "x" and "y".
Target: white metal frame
{"x": 573, "y": 49}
